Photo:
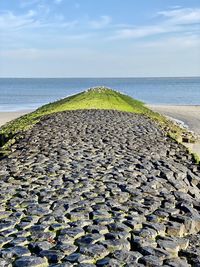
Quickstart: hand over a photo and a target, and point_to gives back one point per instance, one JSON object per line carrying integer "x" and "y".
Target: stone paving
{"x": 99, "y": 188}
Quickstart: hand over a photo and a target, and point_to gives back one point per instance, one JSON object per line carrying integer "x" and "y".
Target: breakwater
{"x": 98, "y": 188}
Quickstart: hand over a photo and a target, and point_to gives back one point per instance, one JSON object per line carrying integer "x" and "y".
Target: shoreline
{"x": 188, "y": 116}
{"x": 7, "y": 116}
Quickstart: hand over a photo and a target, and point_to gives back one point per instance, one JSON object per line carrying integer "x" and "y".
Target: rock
{"x": 94, "y": 251}
{"x": 109, "y": 262}
{"x": 127, "y": 256}
{"x": 5, "y": 263}
{"x": 177, "y": 263}
{"x": 16, "y": 251}
{"x": 170, "y": 246}
{"x": 67, "y": 249}
{"x": 151, "y": 261}
{"x": 53, "y": 256}
{"x": 176, "y": 229}
{"x": 31, "y": 262}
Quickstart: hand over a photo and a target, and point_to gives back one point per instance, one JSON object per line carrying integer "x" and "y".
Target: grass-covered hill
{"x": 94, "y": 98}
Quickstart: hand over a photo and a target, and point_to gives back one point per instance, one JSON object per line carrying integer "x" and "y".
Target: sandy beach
{"x": 190, "y": 115}
{"x": 11, "y": 115}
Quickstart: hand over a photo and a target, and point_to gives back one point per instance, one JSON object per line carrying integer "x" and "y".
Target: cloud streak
{"x": 172, "y": 21}
{"x": 182, "y": 16}
{"x": 8, "y": 20}
{"x": 30, "y": 20}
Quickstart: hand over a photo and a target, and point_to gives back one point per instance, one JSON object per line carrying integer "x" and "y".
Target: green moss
{"x": 97, "y": 98}
{"x": 196, "y": 158}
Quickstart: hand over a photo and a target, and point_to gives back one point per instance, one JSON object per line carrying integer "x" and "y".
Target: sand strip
{"x": 8, "y": 116}
{"x": 190, "y": 115}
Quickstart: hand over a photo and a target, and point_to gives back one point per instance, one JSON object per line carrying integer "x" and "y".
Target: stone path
{"x": 99, "y": 188}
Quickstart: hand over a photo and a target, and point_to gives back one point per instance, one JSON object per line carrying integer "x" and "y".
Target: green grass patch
{"x": 96, "y": 98}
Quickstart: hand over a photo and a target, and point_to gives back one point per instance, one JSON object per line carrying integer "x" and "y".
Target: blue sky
{"x": 99, "y": 38}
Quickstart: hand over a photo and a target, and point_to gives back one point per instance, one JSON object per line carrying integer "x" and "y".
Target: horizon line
{"x": 101, "y": 77}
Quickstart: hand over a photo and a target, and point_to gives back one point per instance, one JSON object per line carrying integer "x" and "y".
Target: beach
{"x": 11, "y": 115}
{"x": 189, "y": 115}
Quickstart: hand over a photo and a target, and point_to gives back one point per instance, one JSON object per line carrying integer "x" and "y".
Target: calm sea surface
{"x": 20, "y": 94}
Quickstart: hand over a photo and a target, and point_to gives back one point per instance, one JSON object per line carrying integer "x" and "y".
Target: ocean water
{"x": 22, "y": 94}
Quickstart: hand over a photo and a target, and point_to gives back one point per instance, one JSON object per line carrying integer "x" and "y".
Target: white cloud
{"x": 31, "y": 20}
{"x": 139, "y": 32}
{"x": 173, "y": 21}
{"x": 101, "y": 23}
{"x": 8, "y": 20}
{"x": 182, "y": 15}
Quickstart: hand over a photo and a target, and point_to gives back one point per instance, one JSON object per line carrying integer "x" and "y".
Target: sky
{"x": 99, "y": 38}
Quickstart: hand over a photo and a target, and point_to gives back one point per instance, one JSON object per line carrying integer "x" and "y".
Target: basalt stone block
{"x": 109, "y": 262}
{"x": 127, "y": 256}
{"x": 95, "y": 251}
{"x": 53, "y": 256}
{"x": 89, "y": 239}
{"x": 6, "y": 226}
{"x": 73, "y": 233}
{"x": 67, "y": 249}
{"x": 4, "y": 263}
{"x": 151, "y": 261}
{"x": 16, "y": 251}
{"x": 19, "y": 241}
{"x": 116, "y": 244}
{"x": 170, "y": 246}
{"x": 66, "y": 264}
{"x": 99, "y": 229}
{"x": 31, "y": 262}
{"x": 158, "y": 252}
{"x": 176, "y": 229}
{"x": 139, "y": 242}
{"x": 148, "y": 233}
{"x": 43, "y": 245}
{"x": 79, "y": 258}
{"x": 177, "y": 263}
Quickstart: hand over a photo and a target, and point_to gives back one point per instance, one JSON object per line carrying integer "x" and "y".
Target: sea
{"x": 18, "y": 94}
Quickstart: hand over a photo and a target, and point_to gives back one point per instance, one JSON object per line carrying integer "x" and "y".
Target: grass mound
{"x": 94, "y": 98}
